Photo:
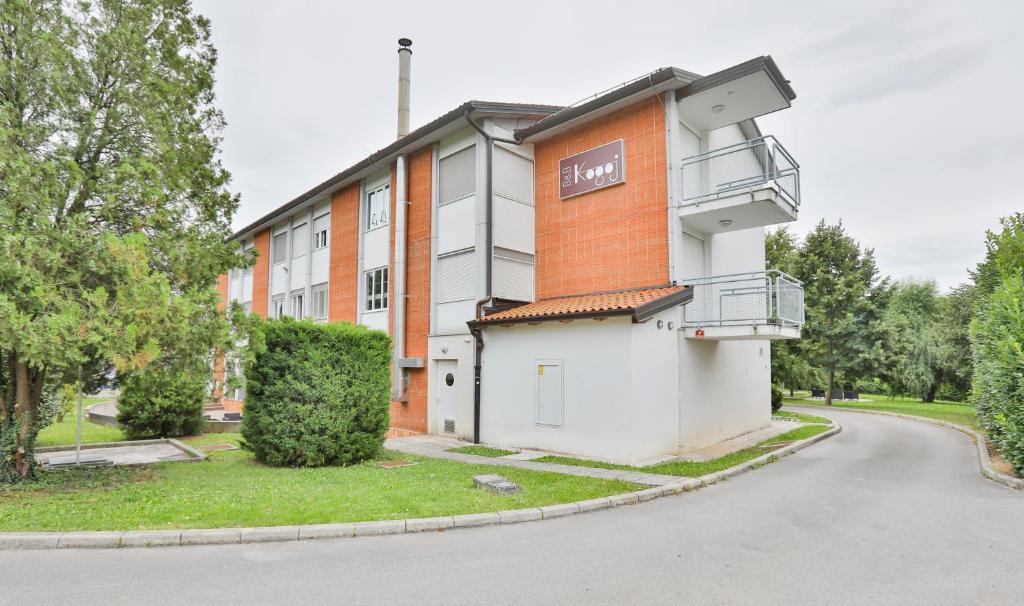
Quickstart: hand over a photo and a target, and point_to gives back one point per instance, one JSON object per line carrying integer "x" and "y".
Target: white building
{"x": 587, "y": 280}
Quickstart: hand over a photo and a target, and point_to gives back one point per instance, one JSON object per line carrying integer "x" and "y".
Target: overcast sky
{"x": 907, "y": 120}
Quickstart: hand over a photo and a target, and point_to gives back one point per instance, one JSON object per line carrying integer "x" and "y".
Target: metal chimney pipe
{"x": 404, "y": 61}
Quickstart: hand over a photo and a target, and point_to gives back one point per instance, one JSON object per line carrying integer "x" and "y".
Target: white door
{"x": 693, "y": 257}
{"x": 447, "y": 376}
{"x": 693, "y": 268}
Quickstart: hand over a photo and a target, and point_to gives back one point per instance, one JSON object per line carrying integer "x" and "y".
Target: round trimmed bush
{"x": 161, "y": 402}
{"x": 316, "y": 394}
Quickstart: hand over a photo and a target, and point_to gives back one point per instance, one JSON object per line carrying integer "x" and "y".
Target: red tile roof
{"x": 641, "y": 303}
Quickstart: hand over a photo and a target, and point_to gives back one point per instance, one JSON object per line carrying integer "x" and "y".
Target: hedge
{"x": 997, "y": 343}
{"x": 162, "y": 401}
{"x": 316, "y": 394}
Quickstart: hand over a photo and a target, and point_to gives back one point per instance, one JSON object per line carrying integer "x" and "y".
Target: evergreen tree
{"x": 789, "y": 366}
{"x": 844, "y": 301}
{"x": 114, "y": 214}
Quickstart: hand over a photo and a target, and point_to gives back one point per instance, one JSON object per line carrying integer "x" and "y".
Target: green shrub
{"x": 997, "y": 343}
{"x": 162, "y": 401}
{"x": 776, "y": 397}
{"x": 316, "y": 394}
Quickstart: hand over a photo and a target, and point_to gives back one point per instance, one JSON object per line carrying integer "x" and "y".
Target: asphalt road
{"x": 890, "y": 511}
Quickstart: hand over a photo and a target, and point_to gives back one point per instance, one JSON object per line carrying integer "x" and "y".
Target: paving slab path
{"x": 890, "y": 511}
{"x": 437, "y": 447}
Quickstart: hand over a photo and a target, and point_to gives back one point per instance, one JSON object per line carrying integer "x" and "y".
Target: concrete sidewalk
{"x": 436, "y": 447}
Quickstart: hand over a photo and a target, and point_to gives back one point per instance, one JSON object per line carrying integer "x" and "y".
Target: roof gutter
{"x": 405, "y": 145}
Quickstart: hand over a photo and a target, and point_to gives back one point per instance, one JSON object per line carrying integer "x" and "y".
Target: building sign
{"x": 591, "y": 170}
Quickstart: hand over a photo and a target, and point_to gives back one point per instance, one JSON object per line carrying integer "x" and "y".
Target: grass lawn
{"x": 954, "y": 412}
{"x": 482, "y": 451}
{"x": 63, "y": 433}
{"x": 692, "y": 469}
{"x": 230, "y": 490}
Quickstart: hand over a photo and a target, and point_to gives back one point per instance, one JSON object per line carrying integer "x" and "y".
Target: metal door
{"x": 447, "y": 376}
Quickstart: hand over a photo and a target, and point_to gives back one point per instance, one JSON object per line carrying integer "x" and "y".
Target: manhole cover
{"x": 216, "y": 447}
{"x": 496, "y": 484}
{"x": 393, "y": 464}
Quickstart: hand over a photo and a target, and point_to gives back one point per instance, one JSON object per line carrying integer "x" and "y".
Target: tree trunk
{"x": 791, "y": 391}
{"x": 932, "y": 392}
{"x": 24, "y": 391}
{"x": 831, "y": 386}
{"x": 22, "y": 420}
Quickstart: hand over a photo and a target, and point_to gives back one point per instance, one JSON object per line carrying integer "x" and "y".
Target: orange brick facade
{"x": 343, "y": 292}
{"x": 411, "y": 416}
{"x": 611, "y": 238}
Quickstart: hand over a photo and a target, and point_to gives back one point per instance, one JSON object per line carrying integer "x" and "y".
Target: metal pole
{"x": 78, "y": 429}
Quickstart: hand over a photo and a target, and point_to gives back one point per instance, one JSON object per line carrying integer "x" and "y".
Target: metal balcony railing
{"x": 742, "y": 167}
{"x": 756, "y": 298}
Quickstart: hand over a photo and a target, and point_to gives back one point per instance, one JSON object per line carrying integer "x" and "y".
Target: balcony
{"x": 760, "y": 305}
{"x": 750, "y": 184}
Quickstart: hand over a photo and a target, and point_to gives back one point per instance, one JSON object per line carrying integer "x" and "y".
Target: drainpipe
{"x": 398, "y": 384}
{"x": 488, "y": 261}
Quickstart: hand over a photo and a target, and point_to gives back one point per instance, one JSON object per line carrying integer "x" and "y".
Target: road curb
{"x": 984, "y": 457}
{"x": 232, "y": 536}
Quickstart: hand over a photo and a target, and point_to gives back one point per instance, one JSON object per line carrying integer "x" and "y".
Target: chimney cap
{"x": 404, "y": 43}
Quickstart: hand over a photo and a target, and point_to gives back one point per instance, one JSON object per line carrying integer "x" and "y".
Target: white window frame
{"x": 320, "y": 239}
{"x": 277, "y": 306}
{"x": 273, "y": 251}
{"x": 372, "y": 301}
{"x": 296, "y": 303}
{"x": 315, "y": 292}
{"x": 385, "y": 191}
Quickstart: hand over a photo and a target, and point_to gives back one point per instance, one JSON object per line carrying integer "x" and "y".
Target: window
{"x": 300, "y": 240}
{"x": 280, "y": 252}
{"x": 247, "y": 307}
{"x": 377, "y": 203}
{"x": 320, "y": 227}
{"x": 377, "y": 289}
{"x": 457, "y": 175}
{"x": 319, "y": 295}
{"x": 298, "y": 297}
{"x": 277, "y": 307}
{"x": 247, "y": 249}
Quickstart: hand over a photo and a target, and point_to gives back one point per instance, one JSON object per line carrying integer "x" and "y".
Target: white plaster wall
{"x": 460, "y": 349}
{"x": 375, "y": 248}
{"x": 513, "y": 225}
{"x": 608, "y": 414}
{"x": 321, "y": 265}
{"x": 452, "y": 317}
{"x": 377, "y": 320}
{"x": 278, "y": 279}
{"x": 455, "y": 225}
{"x": 654, "y": 416}
{"x": 737, "y": 251}
{"x": 723, "y": 390}
{"x": 298, "y": 272}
